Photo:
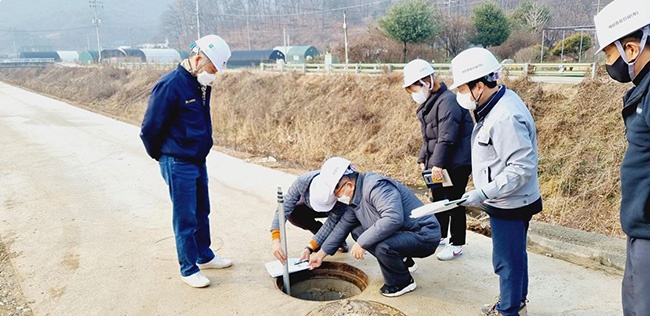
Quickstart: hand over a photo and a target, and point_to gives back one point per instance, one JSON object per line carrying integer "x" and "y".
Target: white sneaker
{"x": 443, "y": 242}
{"x": 216, "y": 263}
{"x": 450, "y": 252}
{"x": 196, "y": 280}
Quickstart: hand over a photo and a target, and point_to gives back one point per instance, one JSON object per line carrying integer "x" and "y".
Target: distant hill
{"x": 66, "y": 24}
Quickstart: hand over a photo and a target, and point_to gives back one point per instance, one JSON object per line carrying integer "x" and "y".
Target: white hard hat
{"x": 472, "y": 64}
{"x": 216, "y": 49}
{"x": 620, "y": 18}
{"x": 415, "y": 70}
{"x": 321, "y": 188}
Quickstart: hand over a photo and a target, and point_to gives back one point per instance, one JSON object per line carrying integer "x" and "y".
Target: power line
{"x": 307, "y": 13}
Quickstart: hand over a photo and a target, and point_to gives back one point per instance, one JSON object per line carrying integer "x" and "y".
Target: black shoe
{"x": 394, "y": 291}
{"x": 410, "y": 264}
{"x": 344, "y": 247}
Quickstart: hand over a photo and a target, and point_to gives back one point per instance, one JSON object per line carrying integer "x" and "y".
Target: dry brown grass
{"x": 304, "y": 119}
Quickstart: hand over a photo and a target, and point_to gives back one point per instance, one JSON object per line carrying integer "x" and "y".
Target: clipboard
{"x": 435, "y": 207}
{"x": 456, "y": 202}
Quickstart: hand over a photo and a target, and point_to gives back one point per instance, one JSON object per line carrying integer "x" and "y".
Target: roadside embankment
{"x": 303, "y": 119}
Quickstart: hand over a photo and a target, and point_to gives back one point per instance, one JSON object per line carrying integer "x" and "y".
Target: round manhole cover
{"x": 355, "y": 308}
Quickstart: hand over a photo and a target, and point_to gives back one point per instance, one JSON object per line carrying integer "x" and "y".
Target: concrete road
{"x": 86, "y": 216}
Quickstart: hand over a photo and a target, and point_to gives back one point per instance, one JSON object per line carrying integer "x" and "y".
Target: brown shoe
{"x": 491, "y": 309}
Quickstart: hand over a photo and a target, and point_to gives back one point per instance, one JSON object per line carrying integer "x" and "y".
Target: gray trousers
{"x": 636, "y": 279}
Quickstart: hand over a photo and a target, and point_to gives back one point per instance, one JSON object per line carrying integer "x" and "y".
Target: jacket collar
{"x": 358, "y": 191}
{"x": 642, "y": 75}
{"x": 482, "y": 111}
{"x": 187, "y": 77}
{"x": 641, "y": 88}
{"x": 428, "y": 104}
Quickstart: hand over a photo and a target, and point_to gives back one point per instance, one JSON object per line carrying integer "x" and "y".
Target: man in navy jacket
{"x": 177, "y": 132}
{"x": 623, "y": 29}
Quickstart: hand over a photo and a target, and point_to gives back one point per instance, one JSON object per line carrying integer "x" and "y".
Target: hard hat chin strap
{"x": 621, "y": 51}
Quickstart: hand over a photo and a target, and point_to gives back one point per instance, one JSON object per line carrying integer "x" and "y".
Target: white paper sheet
{"x": 275, "y": 268}
{"x": 433, "y": 208}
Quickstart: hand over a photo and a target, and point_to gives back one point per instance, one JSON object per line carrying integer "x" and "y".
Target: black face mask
{"x": 619, "y": 70}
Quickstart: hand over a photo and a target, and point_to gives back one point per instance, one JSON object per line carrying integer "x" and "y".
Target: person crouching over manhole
{"x": 299, "y": 211}
{"x": 379, "y": 219}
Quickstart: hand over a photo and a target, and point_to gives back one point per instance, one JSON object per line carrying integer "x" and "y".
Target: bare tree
{"x": 179, "y": 24}
{"x": 537, "y": 18}
{"x": 456, "y": 34}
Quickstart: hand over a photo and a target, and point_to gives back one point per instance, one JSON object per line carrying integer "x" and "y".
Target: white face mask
{"x": 422, "y": 95}
{"x": 345, "y": 199}
{"x": 465, "y": 100}
{"x": 205, "y": 78}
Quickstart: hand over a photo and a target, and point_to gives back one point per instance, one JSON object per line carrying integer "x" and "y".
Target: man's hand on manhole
{"x": 317, "y": 259}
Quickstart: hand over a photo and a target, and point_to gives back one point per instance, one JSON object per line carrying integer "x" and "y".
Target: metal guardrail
{"x": 151, "y": 66}
{"x": 578, "y": 70}
{"x": 26, "y": 62}
{"x": 570, "y": 70}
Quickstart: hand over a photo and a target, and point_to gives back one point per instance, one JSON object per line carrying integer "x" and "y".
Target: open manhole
{"x": 331, "y": 281}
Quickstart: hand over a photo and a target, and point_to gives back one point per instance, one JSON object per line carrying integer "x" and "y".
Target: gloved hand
{"x": 474, "y": 198}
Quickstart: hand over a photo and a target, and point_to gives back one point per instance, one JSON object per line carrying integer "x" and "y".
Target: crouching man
{"x": 378, "y": 218}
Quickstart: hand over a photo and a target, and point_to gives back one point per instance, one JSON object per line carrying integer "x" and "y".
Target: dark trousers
{"x": 510, "y": 262}
{"x": 188, "y": 190}
{"x": 456, "y": 217}
{"x": 305, "y": 218}
{"x": 636, "y": 279}
{"x": 390, "y": 254}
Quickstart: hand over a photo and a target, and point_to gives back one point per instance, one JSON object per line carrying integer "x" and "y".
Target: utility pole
{"x": 563, "y": 35}
{"x": 541, "y": 53}
{"x": 95, "y": 4}
{"x": 198, "y": 25}
{"x": 580, "y": 51}
{"x": 248, "y": 30}
{"x": 131, "y": 36}
{"x": 449, "y": 8}
{"x": 345, "y": 36}
{"x": 284, "y": 41}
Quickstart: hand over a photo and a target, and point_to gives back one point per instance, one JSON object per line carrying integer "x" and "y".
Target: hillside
{"x": 66, "y": 25}
{"x": 302, "y": 119}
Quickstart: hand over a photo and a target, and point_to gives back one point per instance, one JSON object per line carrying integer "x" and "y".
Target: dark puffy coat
{"x": 446, "y": 131}
{"x": 635, "y": 169}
